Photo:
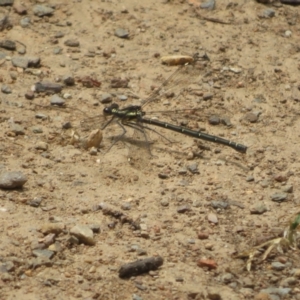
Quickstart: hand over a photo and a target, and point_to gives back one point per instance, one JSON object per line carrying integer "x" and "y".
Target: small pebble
{"x": 122, "y": 33}
{"x": 35, "y": 202}
{"x": 126, "y": 206}
{"x": 42, "y": 10}
{"x": 122, "y": 97}
{"x": 106, "y": 98}
{"x": 288, "y": 33}
{"x": 210, "y": 5}
{"x": 41, "y": 146}
{"x": 214, "y": 120}
{"x": 164, "y": 202}
{"x": 258, "y": 209}
{"x": 56, "y": 100}
{"x": 207, "y": 96}
{"x": 84, "y": 234}
{"x": 279, "y": 197}
{"x": 68, "y": 80}
{"x": 278, "y": 266}
{"x": 43, "y": 253}
{"x": 29, "y": 95}
{"x": 269, "y": 13}
{"x": 12, "y": 180}
{"x": 202, "y": 235}
{"x": 5, "y": 89}
{"x": 182, "y": 209}
{"x": 25, "y": 22}
{"x": 212, "y": 218}
{"x": 72, "y": 43}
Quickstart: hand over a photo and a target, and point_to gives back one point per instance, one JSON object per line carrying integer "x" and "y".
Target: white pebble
{"x": 288, "y": 33}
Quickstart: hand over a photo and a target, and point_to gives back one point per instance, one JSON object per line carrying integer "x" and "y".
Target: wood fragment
{"x": 140, "y": 266}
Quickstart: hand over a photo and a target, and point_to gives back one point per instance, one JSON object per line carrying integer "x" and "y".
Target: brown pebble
{"x": 262, "y": 296}
{"x": 209, "y": 263}
{"x": 280, "y": 177}
{"x": 19, "y": 9}
{"x": 212, "y": 218}
{"x": 29, "y": 95}
{"x": 202, "y": 235}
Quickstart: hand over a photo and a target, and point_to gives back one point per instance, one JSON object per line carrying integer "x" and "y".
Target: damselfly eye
{"x": 108, "y": 110}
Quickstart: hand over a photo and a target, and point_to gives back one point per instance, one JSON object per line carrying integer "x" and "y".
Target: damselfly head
{"x": 109, "y": 110}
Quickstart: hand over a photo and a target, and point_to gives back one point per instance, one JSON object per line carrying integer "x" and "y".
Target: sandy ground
{"x": 196, "y": 202}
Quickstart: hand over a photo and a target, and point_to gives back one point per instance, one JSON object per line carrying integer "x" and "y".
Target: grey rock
{"x": 33, "y": 61}
{"x": 20, "y": 62}
{"x": 38, "y": 262}
{"x": 122, "y": 33}
{"x": 95, "y": 228}
{"x": 12, "y": 180}
{"x": 4, "y": 21}
{"x": 57, "y": 50}
{"x": 8, "y": 44}
{"x": 279, "y": 197}
{"x": 48, "y": 87}
{"x": 44, "y": 253}
{"x": 106, "y": 98}
{"x": 29, "y": 95}
{"x": 249, "y": 178}
{"x": 122, "y": 97}
{"x": 6, "y": 2}
{"x": 72, "y": 43}
{"x": 5, "y": 89}
{"x": 212, "y": 218}
{"x": 2, "y": 55}
{"x": 277, "y": 291}
{"x": 268, "y": 13}
{"x": 41, "y": 116}
{"x": 56, "y": 100}
{"x": 258, "y": 209}
{"x": 36, "y": 129}
{"x": 288, "y": 189}
{"x": 59, "y": 35}
{"x": 55, "y": 228}
{"x": 7, "y": 277}
{"x": 264, "y": 183}
{"x": 136, "y": 297}
{"x": 17, "y": 129}
{"x": 219, "y": 204}
{"x": 84, "y": 234}
{"x": 36, "y": 245}
{"x": 278, "y": 266}
{"x": 73, "y": 240}
{"x": 25, "y": 22}
{"x": 182, "y": 209}
{"x": 42, "y": 10}
{"x": 68, "y": 80}
{"x": 227, "y": 278}
{"x": 214, "y": 120}
{"x": 251, "y": 117}
{"x": 208, "y": 96}
{"x": 193, "y": 168}
{"x": 182, "y": 171}
{"x": 8, "y": 266}
{"x": 208, "y": 5}
{"x": 289, "y": 281}
{"x": 35, "y": 202}
{"x": 41, "y": 146}
{"x": 126, "y": 206}
{"x": 164, "y": 202}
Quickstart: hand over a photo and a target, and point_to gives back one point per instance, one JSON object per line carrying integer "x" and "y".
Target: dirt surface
{"x": 195, "y": 204}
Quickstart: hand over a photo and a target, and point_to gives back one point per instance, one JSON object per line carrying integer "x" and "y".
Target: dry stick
{"x": 212, "y": 19}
